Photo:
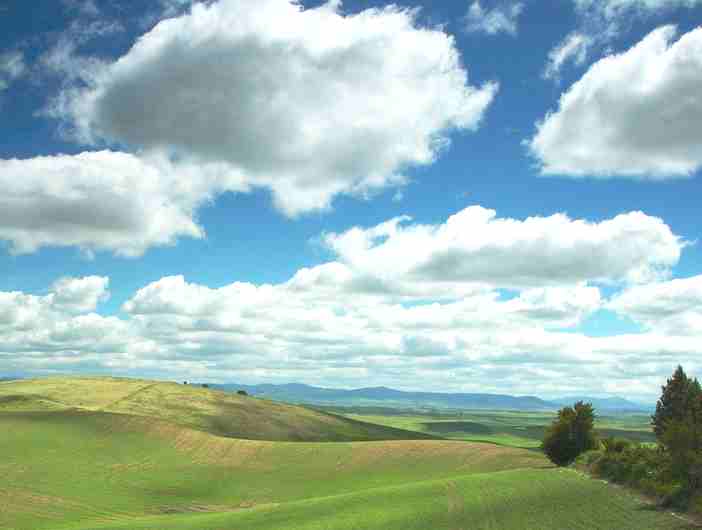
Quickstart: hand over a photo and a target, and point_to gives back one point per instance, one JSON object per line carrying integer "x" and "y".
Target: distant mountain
{"x": 382, "y": 396}
{"x": 608, "y": 404}
{"x": 388, "y": 397}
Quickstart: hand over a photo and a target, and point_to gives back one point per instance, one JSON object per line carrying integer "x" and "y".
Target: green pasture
{"x": 107, "y": 453}
{"x": 96, "y": 467}
{"x": 506, "y": 500}
{"x": 514, "y": 429}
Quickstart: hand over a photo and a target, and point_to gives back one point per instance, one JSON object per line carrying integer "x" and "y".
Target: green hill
{"x": 95, "y": 453}
{"x": 213, "y": 411}
{"x": 91, "y": 467}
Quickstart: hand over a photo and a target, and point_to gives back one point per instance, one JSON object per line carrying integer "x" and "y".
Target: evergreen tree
{"x": 674, "y": 404}
{"x": 570, "y": 434}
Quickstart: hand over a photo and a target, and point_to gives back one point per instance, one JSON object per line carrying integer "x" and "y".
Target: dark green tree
{"x": 682, "y": 441}
{"x": 674, "y": 404}
{"x": 570, "y": 434}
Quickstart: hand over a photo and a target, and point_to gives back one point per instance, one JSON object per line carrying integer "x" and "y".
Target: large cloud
{"x": 308, "y": 103}
{"x": 369, "y": 321}
{"x": 103, "y": 201}
{"x": 637, "y": 114}
{"x": 476, "y": 246}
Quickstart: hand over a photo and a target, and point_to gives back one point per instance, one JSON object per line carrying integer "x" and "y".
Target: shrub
{"x": 615, "y": 445}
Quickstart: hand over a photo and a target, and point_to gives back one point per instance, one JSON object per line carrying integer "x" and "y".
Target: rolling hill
{"x": 213, "y": 411}
{"x": 89, "y": 453}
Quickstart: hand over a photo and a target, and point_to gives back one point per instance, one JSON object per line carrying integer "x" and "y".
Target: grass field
{"x": 65, "y": 467}
{"x": 514, "y": 429}
{"x": 213, "y": 411}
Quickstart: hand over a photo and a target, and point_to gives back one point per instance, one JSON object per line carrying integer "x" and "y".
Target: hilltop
{"x": 210, "y": 410}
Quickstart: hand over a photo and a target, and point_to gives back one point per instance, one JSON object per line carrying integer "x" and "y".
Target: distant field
{"x": 70, "y": 462}
{"x": 514, "y": 429}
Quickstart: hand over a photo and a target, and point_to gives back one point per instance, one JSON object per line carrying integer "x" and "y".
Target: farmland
{"x": 71, "y": 461}
{"x": 509, "y": 428}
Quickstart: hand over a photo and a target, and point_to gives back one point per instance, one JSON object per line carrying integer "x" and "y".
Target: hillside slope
{"x": 213, "y": 411}
{"x": 507, "y": 500}
{"x": 80, "y": 467}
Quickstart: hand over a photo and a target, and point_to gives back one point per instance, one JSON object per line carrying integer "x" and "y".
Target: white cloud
{"x": 574, "y": 48}
{"x": 344, "y": 104}
{"x": 475, "y": 245}
{"x": 674, "y": 307}
{"x": 12, "y": 67}
{"x": 80, "y": 294}
{"x": 103, "y": 201}
{"x": 502, "y": 18}
{"x": 637, "y": 114}
{"x": 351, "y": 323}
{"x": 600, "y": 22}
{"x": 613, "y": 9}
{"x": 59, "y": 324}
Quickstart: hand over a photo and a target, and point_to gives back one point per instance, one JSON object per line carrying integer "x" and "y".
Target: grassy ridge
{"x": 509, "y": 500}
{"x": 213, "y": 411}
{"x": 97, "y": 467}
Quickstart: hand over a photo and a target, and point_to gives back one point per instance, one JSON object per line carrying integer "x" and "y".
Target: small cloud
{"x": 86, "y": 8}
{"x": 399, "y": 196}
{"x": 500, "y": 19}
{"x": 573, "y": 48}
{"x": 12, "y": 67}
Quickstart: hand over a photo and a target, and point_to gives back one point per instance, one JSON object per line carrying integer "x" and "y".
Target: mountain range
{"x": 388, "y": 397}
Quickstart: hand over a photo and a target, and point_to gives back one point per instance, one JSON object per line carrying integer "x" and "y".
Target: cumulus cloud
{"x": 103, "y": 201}
{"x": 80, "y": 294}
{"x": 59, "y": 325}
{"x": 502, "y": 18}
{"x": 475, "y": 245}
{"x": 352, "y": 324}
{"x": 344, "y": 105}
{"x": 674, "y": 307}
{"x": 12, "y": 67}
{"x": 636, "y": 114}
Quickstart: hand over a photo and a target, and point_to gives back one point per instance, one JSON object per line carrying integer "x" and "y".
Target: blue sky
{"x": 247, "y": 151}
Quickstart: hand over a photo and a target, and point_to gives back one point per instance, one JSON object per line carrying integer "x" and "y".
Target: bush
{"x": 615, "y": 445}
